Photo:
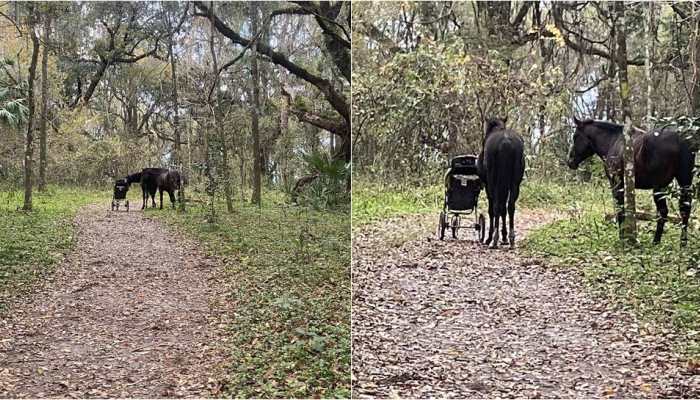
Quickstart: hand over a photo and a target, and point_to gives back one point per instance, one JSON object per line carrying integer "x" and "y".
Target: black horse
{"x": 659, "y": 157}
{"x": 501, "y": 166}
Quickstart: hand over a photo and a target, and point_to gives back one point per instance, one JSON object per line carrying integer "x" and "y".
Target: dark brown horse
{"x": 659, "y": 157}
{"x": 502, "y": 166}
{"x": 153, "y": 180}
{"x": 168, "y": 181}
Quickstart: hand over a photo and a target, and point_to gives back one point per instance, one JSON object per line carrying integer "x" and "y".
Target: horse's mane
{"x": 605, "y": 125}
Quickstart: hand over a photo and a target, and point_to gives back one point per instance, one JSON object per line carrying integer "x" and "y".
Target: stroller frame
{"x": 462, "y": 172}
{"x": 121, "y": 187}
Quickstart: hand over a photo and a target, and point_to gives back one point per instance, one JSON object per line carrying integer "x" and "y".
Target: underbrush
{"x": 32, "y": 242}
{"x": 289, "y": 269}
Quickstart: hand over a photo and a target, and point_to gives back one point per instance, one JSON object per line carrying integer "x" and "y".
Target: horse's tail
{"x": 509, "y": 165}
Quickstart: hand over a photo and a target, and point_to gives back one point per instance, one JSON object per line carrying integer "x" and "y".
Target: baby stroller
{"x": 121, "y": 187}
{"x": 462, "y": 188}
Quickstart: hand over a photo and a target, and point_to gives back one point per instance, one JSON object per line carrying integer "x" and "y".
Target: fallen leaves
{"x": 127, "y": 314}
{"x": 453, "y": 319}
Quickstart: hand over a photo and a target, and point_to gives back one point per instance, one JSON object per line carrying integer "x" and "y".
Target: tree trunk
{"x": 649, "y": 49}
{"x": 629, "y": 224}
{"x": 284, "y": 128}
{"x": 176, "y": 127}
{"x": 695, "y": 60}
{"x": 44, "y": 101}
{"x": 218, "y": 120}
{"x": 255, "y": 108}
{"x": 29, "y": 145}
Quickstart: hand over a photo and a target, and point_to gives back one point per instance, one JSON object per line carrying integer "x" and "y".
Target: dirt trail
{"x": 132, "y": 312}
{"x": 453, "y": 319}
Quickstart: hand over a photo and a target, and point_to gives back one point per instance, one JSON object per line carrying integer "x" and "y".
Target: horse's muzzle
{"x": 572, "y": 163}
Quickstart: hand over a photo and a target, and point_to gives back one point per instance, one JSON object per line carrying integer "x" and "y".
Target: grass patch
{"x": 376, "y": 201}
{"x": 659, "y": 283}
{"x": 32, "y": 242}
{"x": 290, "y": 272}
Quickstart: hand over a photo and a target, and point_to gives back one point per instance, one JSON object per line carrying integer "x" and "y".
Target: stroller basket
{"x": 120, "y": 189}
{"x": 463, "y": 192}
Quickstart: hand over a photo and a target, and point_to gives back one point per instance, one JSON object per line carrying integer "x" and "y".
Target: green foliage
{"x": 30, "y": 243}
{"x": 373, "y": 201}
{"x": 550, "y": 194}
{"x": 659, "y": 283}
{"x": 13, "y": 108}
{"x": 289, "y": 273}
{"x": 412, "y": 107}
{"x": 329, "y": 189}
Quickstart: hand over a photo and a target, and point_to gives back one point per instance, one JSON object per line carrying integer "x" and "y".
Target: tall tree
{"x": 44, "y": 97}
{"x": 254, "y": 109}
{"x": 337, "y": 42}
{"x": 29, "y": 143}
{"x": 629, "y": 225}
{"x": 176, "y": 113}
{"x": 649, "y": 50}
{"x": 218, "y": 119}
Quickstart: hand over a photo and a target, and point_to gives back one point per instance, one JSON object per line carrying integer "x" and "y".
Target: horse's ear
{"x": 577, "y": 121}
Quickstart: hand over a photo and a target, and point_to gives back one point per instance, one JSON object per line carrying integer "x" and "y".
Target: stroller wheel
{"x": 481, "y": 228}
{"x": 442, "y": 225}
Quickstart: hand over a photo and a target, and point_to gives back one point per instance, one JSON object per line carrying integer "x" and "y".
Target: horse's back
{"x": 169, "y": 180}
{"x": 505, "y": 147}
{"x": 660, "y": 156}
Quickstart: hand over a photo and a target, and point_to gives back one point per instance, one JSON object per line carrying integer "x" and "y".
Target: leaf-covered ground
{"x": 134, "y": 311}
{"x": 32, "y": 242}
{"x": 453, "y": 319}
{"x": 288, "y": 270}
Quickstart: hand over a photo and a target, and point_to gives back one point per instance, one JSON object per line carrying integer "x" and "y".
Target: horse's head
{"x": 582, "y": 148}
{"x": 495, "y": 123}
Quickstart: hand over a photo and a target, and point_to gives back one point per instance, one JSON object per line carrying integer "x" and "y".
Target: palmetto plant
{"x": 328, "y": 189}
{"x": 322, "y": 163}
{"x": 13, "y": 107}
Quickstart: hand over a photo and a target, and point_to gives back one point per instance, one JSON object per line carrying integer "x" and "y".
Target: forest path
{"x": 454, "y": 319}
{"x": 134, "y": 311}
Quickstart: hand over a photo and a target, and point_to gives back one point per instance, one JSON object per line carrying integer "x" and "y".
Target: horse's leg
{"x": 497, "y": 215}
{"x": 504, "y": 231}
{"x": 619, "y": 196}
{"x": 153, "y": 199}
{"x": 684, "y": 205}
{"x": 514, "y": 193}
{"x": 491, "y": 217}
{"x": 160, "y": 191}
{"x": 662, "y": 213}
{"x": 685, "y": 180}
{"x": 172, "y": 198}
{"x": 144, "y": 197}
